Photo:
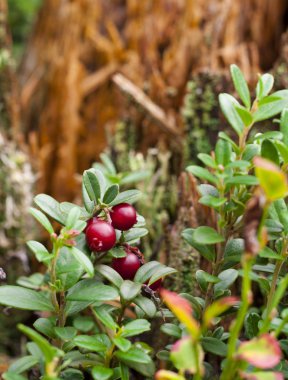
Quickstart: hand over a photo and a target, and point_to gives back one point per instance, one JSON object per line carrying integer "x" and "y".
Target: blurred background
{"x": 138, "y": 80}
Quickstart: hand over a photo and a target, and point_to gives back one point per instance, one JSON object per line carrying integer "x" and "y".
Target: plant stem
{"x": 237, "y": 326}
{"x": 56, "y": 250}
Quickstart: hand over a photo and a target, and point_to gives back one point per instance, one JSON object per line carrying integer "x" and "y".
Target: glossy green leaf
{"x": 171, "y": 330}
{"x": 271, "y": 105}
{"x": 128, "y": 196}
{"x": 66, "y": 333}
{"x": 129, "y": 290}
{"x": 207, "y": 251}
{"x": 110, "y": 274}
{"x": 122, "y": 343}
{"x": 72, "y": 218}
{"x": 264, "y": 85}
{"x": 202, "y": 173}
{"x": 134, "y": 355}
{"x": 214, "y": 346}
{"x": 269, "y": 151}
{"x": 110, "y": 194}
{"x": 23, "y": 364}
{"x": 284, "y": 125}
{"x": 45, "y": 326}
{"x": 146, "y": 271}
{"x": 42, "y": 219}
{"x": 161, "y": 273}
{"x": 104, "y": 315}
{"x": 207, "y": 235}
{"x": 146, "y": 305}
{"x": 101, "y": 373}
{"x": 227, "y": 277}
{"x": 91, "y": 291}
{"x": 240, "y": 85}
{"x": 227, "y": 104}
{"x": 135, "y": 327}
{"x": 183, "y": 355}
{"x": 92, "y": 185}
{"x": 134, "y": 234}
{"x": 245, "y": 115}
{"x": 223, "y": 152}
{"x": 203, "y": 278}
{"x": 90, "y": 343}
{"x": 248, "y": 180}
{"x": 41, "y": 252}
{"x": 83, "y": 260}
{"x": 51, "y": 207}
{"x": 207, "y": 160}
{"x": 21, "y": 298}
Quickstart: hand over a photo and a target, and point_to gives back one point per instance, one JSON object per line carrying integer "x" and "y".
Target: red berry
{"x": 123, "y": 216}
{"x": 126, "y": 266}
{"x": 156, "y": 285}
{"x": 100, "y": 235}
{"x": 90, "y": 221}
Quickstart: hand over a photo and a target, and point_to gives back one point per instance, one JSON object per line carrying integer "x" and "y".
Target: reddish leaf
{"x": 182, "y": 310}
{"x": 218, "y": 307}
{"x": 263, "y": 376}
{"x": 168, "y": 375}
{"x": 183, "y": 355}
{"x": 263, "y": 352}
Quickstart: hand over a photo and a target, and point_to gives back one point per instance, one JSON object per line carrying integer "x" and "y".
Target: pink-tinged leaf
{"x": 262, "y": 352}
{"x": 168, "y": 375}
{"x": 182, "y": 309}
{"x": 183, "y": 355}
{"x": 263, "y": 376}
{"x": 218, "y": 307}
{"x": 272, "y": 180}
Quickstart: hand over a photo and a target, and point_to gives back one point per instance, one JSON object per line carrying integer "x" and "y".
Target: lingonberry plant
{"x": 96, "y": 294}
{"x": 245, "y": 244}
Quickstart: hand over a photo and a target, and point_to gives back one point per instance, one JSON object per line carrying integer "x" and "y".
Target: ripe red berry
{"x": 100, "y": 235}
{"x": 127, "y": 266}
{"x": 123, "y": 216}
{"x": 90, "y": 221}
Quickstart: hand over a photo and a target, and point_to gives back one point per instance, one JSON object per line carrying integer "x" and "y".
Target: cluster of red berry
{"x": 101, "y": 237}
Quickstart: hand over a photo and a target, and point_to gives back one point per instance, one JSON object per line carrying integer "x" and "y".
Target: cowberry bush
{"x": 244, "y": 186}
{"x": 98, "y": 293}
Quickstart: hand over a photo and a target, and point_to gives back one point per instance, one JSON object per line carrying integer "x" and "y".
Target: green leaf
{"x": 91, "y": 343}
{"x": 42, "y": 219}
{"x": 50, "y": 206}
{"x": 264, "y": 85}
{"x": 162, "y": 272}
{"x": 227, "y": 277}
{"x": 41, "y": 253}
{"x": 224, "y": 136}
{"x": 207, "y": 160}
{"x": 134, "y": 355}
{"x": 202, "y": 173}
{"x": 72, "y": 218}
{"x": 223, "y": 152}
{"x": 240, "y": 85}
{"x": 128, "y": 196}
{"x": 245, "y": 115}
{"x": 66, "y": 333}
{"x": 13, "y": 376}
{"x": 110, "y": 274}
{"x": 250, "y": 151}
{"x": 135, "y": 327}
{"x": 207, "y": 235}
{"x": 251, "y": 325}
{"x": 101, "y": 373}
{"x": 183, "y": 355}
{"x": 284, "y": 125}
{"x": 91, "y": 290}
{"x": 118, "y": 252}
{"x": 72, "y": 374}
{"x": 271, "y": 105}
{"x": 171, "y": 330}
{"x": 203, "y": 278}
{"x": 26, "y": 299}
{"x": 134, "y": 234}
{"x": 129, "y": 290}
{"x": 206, "y": 189}
{"x": 110, "y": 194}
{"x": 124, "y": 371}
{"x": 269, "y": 151}
{"x": 122, "y": 343}
{"x": 45, "y": 326}
{"x": 206, "y": 251}
{"x": 281, "y": 212}
{"x": 88, "y": 204}
{"x": 272, "y": 180}
{"x": 23, "y": 364}
{"x": 282, "y": 149}
{"x": 103, "y": 313}
{"x": 146, "y": 271}
{"x": 248, "y": 180}
{"x": 214, "y": 346}
{"x": 68, "y": 270}
{"x": 213, "y": 202}
{"x": 92, "y": 185}
{"x": 48, "y": 351}
{"x": 227, "y": 104}
{"x": 83, "y": 260}
{"x": 146, "y": 305}
{"x": 83, "y": 323}
{"x": 267, "y": 253}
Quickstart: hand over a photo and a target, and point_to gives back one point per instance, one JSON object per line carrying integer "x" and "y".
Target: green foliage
{"x": 244, "y": 184}
{"x": 82, "y": 333}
